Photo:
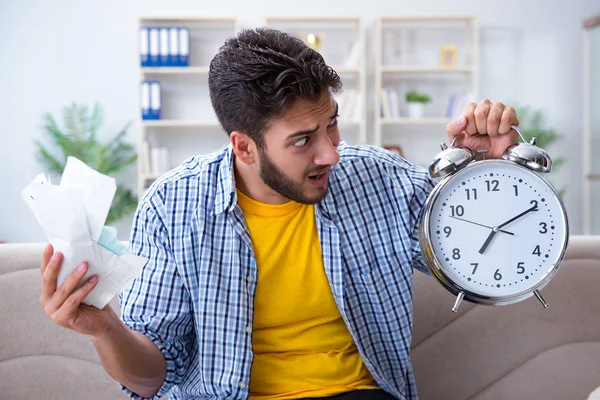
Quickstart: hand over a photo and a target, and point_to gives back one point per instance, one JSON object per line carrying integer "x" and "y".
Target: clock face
{"x": 497, "y": 229}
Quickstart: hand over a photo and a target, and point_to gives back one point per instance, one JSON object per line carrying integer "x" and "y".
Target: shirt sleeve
{"x": 423, "y": 185}
{"x": 157, "y": 304}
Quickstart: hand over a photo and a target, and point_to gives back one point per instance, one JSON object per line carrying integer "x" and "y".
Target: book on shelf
{"x": 164, "y": 46}
{"x": 355, "y": 55}
{"x": 155, "y": 160}
{"x": 350, "y": 105}
{"x": 457, "y": 103}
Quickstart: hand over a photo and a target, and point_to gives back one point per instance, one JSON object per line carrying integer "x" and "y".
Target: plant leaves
{"x": 79, "y": 139}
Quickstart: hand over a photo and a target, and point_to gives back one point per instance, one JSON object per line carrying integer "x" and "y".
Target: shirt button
{"x": 250, "y": 279}
{"x": 242, "y": 385}
{"x": 248, "y": 329}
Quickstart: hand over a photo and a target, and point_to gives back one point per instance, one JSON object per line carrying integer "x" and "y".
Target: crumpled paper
{"x": 72, "y": 216}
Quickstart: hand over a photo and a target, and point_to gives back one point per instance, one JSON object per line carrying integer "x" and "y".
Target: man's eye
{"x": 301, "y": 142}
{"x": 334, "y": 121}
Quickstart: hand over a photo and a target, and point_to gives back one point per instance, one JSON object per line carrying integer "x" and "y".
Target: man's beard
{"x": 277, "y": 180}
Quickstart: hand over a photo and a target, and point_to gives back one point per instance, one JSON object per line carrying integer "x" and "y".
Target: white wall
{"x": 53, "y": 53}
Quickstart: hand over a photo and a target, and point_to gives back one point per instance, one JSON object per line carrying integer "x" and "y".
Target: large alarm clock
{"x": 493, "y": 232}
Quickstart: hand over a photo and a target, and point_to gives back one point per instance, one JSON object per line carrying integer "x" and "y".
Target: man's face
{"x": 300, "y": 148}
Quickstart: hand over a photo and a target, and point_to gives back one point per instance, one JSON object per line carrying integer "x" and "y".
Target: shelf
{"x": 415, "y": 121}
{"x": 440, "y": 18}
{"x": 295, "y": 20}
{"x": 150, "y": 177}
{"x": 182, "y": 18}
{"x": 172, "y": 123}
{"x": 425, "y": 70}
{"x": 174, "y": 70}
{"x": 346, "y": 70}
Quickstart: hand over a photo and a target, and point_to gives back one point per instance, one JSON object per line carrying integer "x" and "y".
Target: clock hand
{"x": 485, "y": 226}
{"x": 534, "y": 208}
{"x": 497, "y": 228}
{"x": 488, "y": 240}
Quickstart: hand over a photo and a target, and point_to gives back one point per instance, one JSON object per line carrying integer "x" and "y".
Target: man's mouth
{"x": 316, "y": 177}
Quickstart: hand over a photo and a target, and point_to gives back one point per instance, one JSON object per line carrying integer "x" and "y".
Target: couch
{"x": 521, "y": 351}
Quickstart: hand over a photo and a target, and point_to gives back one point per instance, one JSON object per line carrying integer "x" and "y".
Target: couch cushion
{"x": 458, "y": 356}
{"x": 39, "y": 359}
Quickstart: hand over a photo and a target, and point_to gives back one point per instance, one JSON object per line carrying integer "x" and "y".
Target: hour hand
{"x": 488, "y": 240}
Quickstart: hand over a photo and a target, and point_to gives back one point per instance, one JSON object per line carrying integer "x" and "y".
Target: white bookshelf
{"x": 591, "y": 126}
{"x": 343, "y": 44}
{"x": 188, "y": 125}
{"x": 407, "y": 57}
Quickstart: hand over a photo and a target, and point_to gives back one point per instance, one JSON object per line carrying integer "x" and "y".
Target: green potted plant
{"x": 79, "y": 139}
{"x": 416, "y": 103}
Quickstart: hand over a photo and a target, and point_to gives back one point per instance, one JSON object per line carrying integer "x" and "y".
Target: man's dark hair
{"x": 259, "y": 73}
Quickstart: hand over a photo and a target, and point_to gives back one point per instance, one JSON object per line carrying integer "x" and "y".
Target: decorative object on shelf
{"x": 395, "y": 148}
{"x": 313, "y": 40}
{"x": 449, "y": 55}
{"x": 80, "y": 140}
{"x": 416, "y": 103}
{"x": 164, "y": 46}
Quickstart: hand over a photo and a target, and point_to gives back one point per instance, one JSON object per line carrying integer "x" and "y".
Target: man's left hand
{"x": 485, "y": 126}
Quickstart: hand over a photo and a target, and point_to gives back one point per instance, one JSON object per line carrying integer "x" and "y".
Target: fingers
{"x": 494, "y": 117}
{"x": 485, "y": 118}
{"x": 49, "y": 277}
{"x": 454, "y": 128}
{"x": 508, "y": 118}
{"x": 56, "y": 300}
{"x": 48, "y": 250}
{"x": 469, "y": 114}
{"x": 67, "y": 312}
{"x": 481, "y": 116}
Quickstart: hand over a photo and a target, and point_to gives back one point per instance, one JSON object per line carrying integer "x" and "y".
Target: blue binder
{"x": 144, "y": 47}
{"x": 173, "y": 47}
{"x": 154, "y": 47}
{"x": 184, "y": 47}
{"x": 164, "y": 47}
{"x": 155, "y": 100}
{"x": 145, "y": 100}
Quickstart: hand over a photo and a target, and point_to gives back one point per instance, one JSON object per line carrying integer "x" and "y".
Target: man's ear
{"x": 243, "y": 147}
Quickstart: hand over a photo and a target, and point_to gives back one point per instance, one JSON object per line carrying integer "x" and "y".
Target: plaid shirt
{"x": 195, "y": 296}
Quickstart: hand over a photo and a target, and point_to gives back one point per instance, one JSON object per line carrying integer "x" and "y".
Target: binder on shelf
{"x": 155, "y": 101}
{"x": 184, "y": 47}
{"x": 144, "y": 47}
{"x": 164, "y": 47}
{"x": 160, "y": 160}
{"x": 154, "y": 47}
{"x": 145, "y": 100}
{"x": 147, "y": 164}
{"x": 173, "y": 47}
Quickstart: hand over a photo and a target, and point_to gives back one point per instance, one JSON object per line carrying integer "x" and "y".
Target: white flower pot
{"x": 415, "y": 110}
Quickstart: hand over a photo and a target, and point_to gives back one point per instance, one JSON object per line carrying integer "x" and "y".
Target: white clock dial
{"x": 497, "y": 229}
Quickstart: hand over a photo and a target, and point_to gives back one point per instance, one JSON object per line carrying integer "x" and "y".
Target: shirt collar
{"x": 225, "y": 198}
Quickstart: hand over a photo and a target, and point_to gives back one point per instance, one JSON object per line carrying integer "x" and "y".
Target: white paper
{"x": 72, "y": 216}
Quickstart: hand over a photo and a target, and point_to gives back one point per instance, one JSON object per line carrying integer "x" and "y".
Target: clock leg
{"x": 540, "y": 298}
{"x": 459, "y": 299}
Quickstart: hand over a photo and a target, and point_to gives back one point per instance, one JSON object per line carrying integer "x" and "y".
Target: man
{"x": 280, "y": 267}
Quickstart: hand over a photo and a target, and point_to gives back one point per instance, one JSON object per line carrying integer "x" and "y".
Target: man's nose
{"x": 328, "y": 154}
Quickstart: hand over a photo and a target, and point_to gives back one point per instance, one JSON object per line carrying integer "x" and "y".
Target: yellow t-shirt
{"x": 302, "y": 347}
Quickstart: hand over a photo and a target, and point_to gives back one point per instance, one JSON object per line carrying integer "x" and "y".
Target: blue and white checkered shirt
{"x": 195, "y": 296}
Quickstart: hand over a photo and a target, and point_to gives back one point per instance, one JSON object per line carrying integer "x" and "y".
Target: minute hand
{"x": 534, "y": 208}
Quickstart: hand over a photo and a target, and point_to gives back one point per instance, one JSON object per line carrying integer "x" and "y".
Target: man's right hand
{"x": 63, "y": 304}
{"x": 127, "y": 355}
